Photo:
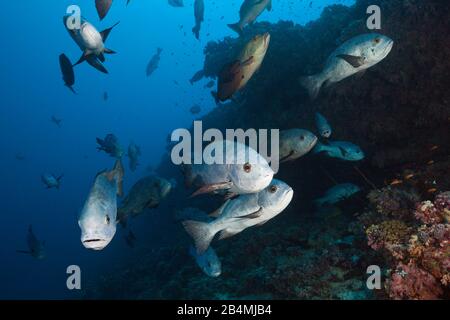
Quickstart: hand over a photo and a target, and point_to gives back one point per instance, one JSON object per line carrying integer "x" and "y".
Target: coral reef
{"x": 418, "y": 250}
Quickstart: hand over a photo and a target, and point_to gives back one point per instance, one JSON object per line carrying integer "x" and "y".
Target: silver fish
{"x": 98, "y": 216}
{"x": 353, "y": 56}
{"x": 295, "y": 143}
{"x": 240, "y": 213}
{"x": 91, "y": 42}
{"x": 242, "y": 170}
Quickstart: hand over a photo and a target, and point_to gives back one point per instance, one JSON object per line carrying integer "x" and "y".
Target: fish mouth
{"x": 388, "y": 48}
{"x": 95, "y": 243}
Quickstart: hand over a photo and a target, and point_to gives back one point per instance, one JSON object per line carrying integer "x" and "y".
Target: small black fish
{"x": 67, "y": 72}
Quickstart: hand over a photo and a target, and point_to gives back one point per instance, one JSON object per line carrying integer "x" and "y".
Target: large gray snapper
{"x": 355, "y": 55}
{"x": 243, "y": 170}
{"x": 99, "y": 214}
{"x": 240, "y": 213}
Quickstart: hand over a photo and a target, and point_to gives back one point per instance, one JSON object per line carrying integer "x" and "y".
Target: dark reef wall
{"x": 397, "y": 111}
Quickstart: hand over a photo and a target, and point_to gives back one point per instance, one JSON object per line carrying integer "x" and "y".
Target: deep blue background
{"x": 141, "y": 109}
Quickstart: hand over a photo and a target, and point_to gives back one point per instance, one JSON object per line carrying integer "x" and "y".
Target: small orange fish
{"x": 432, "y": 190}
{"x": 409, "y": 176}
{"x": 434, "y": 148}
{"x": 430, "y": 162}
{"x": 395, "y": 182}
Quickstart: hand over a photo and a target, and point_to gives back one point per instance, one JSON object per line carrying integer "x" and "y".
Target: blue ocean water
{"x": 139, "y": 109}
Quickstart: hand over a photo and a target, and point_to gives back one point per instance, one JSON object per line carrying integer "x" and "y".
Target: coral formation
{"x": 419, "y": 249}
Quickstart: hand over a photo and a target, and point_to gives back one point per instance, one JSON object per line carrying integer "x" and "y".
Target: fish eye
{"x": 273, "y": 189}
{"x": 107, "y": 219}
{"x": 247, "y": 167}
{"x": 302, "y": 138}
{"x": 377, "y": 40}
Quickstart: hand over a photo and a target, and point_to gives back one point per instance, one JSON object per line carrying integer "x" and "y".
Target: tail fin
{"x": 196, "y": 32}
{"x": 201, "y": 232}
{"x": 237, "y": 28}
{"x": 312, "y": 84}
{"x": 109, "y": 51}
{"x": 71, "y": 89}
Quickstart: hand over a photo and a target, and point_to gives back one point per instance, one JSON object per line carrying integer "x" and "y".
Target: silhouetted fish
{"x": 176, "y": 3}
{"x": 103, "y": 7}
{"x": 199, "y": 13}
{"x": 35, "y": 247}
{"x": 67, "y": 72}
{"x": 154, "y": 62}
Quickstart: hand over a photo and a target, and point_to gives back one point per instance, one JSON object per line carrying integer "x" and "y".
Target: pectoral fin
{"x": 253, "y": 215}
{"x": 212, "y": 188}
{"x": 248, "y": 62}
{"x": 343, "y": 151}
{"x": 355, "y": 61}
